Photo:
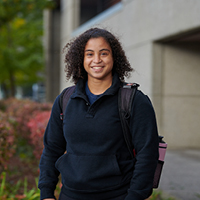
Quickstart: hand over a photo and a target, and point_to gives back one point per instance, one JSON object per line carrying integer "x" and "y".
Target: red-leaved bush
{"x": 23, "y": 111}
{"x": 37, "y": 127}
{"x": 7, "y": 139}
{"x": 22, "y": 126}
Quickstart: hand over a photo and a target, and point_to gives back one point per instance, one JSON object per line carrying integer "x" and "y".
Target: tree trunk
{"x": 5, "y": 90}
{"x": 12, "y": 84}
{"x": 11, "y": 74}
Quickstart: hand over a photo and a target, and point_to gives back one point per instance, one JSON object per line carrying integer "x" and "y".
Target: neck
{"x": 98, "y": 86}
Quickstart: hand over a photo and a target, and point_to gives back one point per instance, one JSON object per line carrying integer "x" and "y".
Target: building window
{"x": 91, "y": 8}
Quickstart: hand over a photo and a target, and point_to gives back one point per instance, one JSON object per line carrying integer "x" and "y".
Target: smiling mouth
{"x": 97, "y": 67}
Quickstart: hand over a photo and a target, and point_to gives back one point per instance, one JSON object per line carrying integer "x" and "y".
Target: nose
{"x": 97, "y": 59}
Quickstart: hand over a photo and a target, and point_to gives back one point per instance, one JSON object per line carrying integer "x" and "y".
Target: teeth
{"x": 97, "y": 67}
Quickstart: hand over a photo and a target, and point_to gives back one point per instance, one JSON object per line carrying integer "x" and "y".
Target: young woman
{"x": 97, "y": 164}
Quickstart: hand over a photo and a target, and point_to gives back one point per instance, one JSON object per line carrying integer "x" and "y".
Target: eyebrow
{"x": 99, "y": 51}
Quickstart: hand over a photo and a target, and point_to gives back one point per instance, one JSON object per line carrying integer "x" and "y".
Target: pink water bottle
{"x": 162, "y": 149}
{"x": 162, "y": 152}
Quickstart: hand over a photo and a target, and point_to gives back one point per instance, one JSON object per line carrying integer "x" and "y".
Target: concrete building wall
{"x": 70, "y": 17}
{"x": 162, "y": 70}
{"x": 52, "y": 53}
{"x": 181, "y": 95}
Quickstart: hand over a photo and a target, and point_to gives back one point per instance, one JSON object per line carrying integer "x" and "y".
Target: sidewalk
{"x": 181, "y": 174}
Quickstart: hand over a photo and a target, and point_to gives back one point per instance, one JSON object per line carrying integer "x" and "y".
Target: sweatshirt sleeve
{"x": 54, "y": 147}
{"x": 145, "y": 140}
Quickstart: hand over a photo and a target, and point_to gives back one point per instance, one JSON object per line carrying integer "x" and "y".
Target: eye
{"x": 89, "y": 54}
{"x": 104, "y": 53}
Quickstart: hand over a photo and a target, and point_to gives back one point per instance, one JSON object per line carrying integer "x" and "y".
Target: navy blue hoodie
{"x": 89, "y": 150}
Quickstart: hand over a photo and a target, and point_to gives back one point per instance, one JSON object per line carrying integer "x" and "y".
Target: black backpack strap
{"x": 125, "y": 101}
{"x": 64, "y": 98}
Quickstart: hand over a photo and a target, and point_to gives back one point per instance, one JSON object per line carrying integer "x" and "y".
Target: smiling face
{"x": 98, "y": 60}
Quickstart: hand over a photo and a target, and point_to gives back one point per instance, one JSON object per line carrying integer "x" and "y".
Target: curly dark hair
{"x": 75, "y": 54}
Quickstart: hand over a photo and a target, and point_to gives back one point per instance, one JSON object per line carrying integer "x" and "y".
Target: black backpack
{"x": 125, "y": 99}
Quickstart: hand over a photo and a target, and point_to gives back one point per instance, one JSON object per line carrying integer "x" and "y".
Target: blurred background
{"x": 162, "y": 41}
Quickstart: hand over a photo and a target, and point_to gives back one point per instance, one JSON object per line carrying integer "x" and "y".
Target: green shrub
{"x": 8, "y": 192}
{"x": 12, "y": 193}
{"x": 158, "y": 195}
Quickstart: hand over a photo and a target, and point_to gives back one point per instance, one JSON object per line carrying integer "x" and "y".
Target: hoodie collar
{"x": 80, "y": 87}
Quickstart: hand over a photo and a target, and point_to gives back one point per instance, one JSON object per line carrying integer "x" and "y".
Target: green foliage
{"x": 3, "y": 182}
{"x": 12, "y": 192}
{"x": 34, "y": 193}
{"x": 158, "y": 195}
{"x": 21, "y": 50}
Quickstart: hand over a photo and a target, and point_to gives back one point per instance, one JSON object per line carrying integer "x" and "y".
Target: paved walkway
{"x": 181, "y": 174}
